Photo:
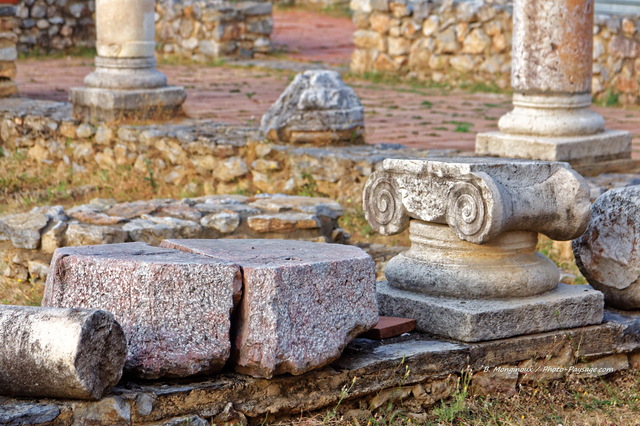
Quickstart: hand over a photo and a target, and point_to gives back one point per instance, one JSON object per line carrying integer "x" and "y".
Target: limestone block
{"x": 608, "y": 253}
{"x": 316, "y": 108}
{"x": 59, "y": 353}
{"x": 479, "y": 198}
{"x": 499, "y": 380}
{"x": 23, "y": 229}
{"x": 302, "y": 302}
{"x": 283, "y": 222}
{"x": 476, "y": 42}
{"x": 80, "y": 234}
{"x": 174, "y": 307}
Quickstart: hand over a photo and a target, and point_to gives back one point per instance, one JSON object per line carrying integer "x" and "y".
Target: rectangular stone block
{"x": 577, "y": 150}
{"x": 302, "y": 302}
{"x": 95, "y": 104}
{"x": 476, "y": 320}
{"x": 174, "y": 307}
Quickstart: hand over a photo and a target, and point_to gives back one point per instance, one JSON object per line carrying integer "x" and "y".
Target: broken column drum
{"x": 59, "y": 352}
{"x": 126, "y": 83}
{"x": 472, "y": 272}
{"x": 551, "y": 78}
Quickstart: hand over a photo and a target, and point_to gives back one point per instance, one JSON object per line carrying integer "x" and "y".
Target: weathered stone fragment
{"x": 80, "y": 234}
{"x": 479, "y": 198}
{"x": 316, "y": 108}
{"x": 174, "y": 307}
{"x": 23, "y": 229}
{"x": 59, "y": 353}
{"x": 608, "y": 253}
{"x": 302, "y": 302}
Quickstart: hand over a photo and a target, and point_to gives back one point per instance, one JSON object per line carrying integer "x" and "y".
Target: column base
{"x": 577, "y": 150}
{"x": 104, "y": 105}
{"x": 468, "y": 320}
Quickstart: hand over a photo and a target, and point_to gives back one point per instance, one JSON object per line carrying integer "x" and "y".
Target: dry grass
{"x": 25, "y": 184}
{"x": 614, "y": 400}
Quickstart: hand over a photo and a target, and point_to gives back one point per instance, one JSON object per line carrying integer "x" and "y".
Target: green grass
{"x": 609, "y": 99}
{"x": 75, "y": 52}
{"x": 461, "y": 126}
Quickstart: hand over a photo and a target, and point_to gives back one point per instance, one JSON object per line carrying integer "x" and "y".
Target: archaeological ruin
{"x": 295, "y": 267}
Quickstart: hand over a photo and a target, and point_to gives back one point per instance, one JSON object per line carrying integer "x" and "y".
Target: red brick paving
{"x": 395, "y": 113}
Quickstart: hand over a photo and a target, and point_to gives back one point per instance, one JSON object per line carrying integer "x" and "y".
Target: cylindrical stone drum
{"x": 552, "y": 46}
{"x": 125, "y": 28}
{"x": 59, "y": 352}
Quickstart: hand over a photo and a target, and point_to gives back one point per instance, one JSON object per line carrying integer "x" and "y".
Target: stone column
{"x": 472, "y": 272}
{"x": 551, "y": 79}
{"x": 126, "y": 83}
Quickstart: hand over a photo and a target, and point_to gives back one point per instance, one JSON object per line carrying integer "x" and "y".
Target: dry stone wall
{"x": 470, "y": 43}
{"x": 28, "y": 240}
{"x": 196, "y": 29}
{"x": 8, "y": 52}
{"x": 223, "y": 159}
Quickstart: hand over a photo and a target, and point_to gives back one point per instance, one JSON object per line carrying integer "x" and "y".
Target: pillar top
{"x": 479, "y": 198}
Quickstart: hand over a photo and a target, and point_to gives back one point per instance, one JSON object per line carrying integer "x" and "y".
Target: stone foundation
{"x": 195, "y": 29}
{"x": 466, "y": 43}
{"x": 417, "y": 367}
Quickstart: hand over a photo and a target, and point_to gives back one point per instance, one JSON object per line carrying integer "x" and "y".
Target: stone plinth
{"x": 472, "y": 272}
{"x": 608, "y": 253}
{"x": 566, "y": 306}
{"x": 125, "y": 84}
{"x": 551, "y": 79}
{"x": 59, "y": 353}
{"x": 317, "y": 108}
{"x": 302, "y": 302}
{"x": 174, "y": 307}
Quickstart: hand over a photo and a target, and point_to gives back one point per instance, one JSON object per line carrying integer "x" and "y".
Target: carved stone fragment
{"x": 59, "y": 353}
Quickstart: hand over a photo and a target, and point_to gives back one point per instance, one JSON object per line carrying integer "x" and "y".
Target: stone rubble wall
{"x": 199, "y": 30}
{"x": 8, "y": 51}
{"x": 223, "y": 159}
{"x": 470, "y": 43}
{"x": 28, "y": 240}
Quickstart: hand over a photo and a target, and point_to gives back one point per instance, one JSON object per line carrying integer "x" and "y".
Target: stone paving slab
{"x": 302, "y": 302}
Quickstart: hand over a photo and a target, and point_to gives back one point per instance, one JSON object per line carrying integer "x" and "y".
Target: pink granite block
{"x": 174, "y": 307}
{"x": 302, "y": 302}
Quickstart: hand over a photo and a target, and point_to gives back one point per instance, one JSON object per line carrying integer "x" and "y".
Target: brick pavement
{"x": 415, "y": 116}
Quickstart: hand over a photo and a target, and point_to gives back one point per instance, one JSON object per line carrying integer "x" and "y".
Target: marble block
{"x": 468, "y": 320}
